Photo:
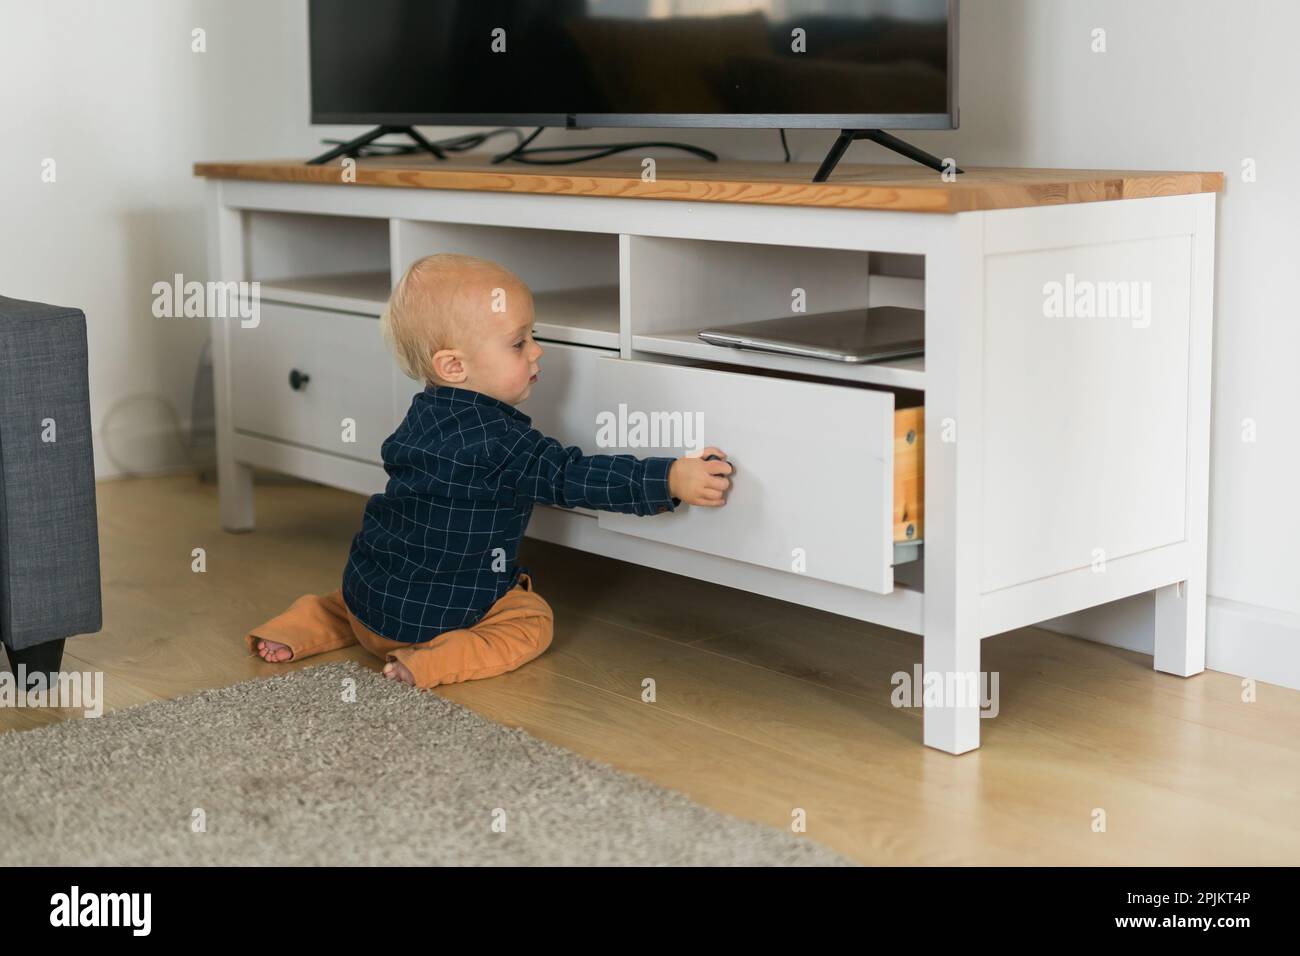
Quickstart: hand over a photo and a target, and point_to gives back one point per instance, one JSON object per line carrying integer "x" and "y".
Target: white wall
{"x": 1184, "y": 84}
{"x": 114, "y": 94}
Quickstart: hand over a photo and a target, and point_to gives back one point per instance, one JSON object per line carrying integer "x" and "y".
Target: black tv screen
{"x": 587, "y": 63}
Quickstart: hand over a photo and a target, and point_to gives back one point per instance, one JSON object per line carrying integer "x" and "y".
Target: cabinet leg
{"x": 954, "y": 369}
{"x": 1180, "y": 628}
{"x": 951, "y": 666}
{"x": 235, "y": 495}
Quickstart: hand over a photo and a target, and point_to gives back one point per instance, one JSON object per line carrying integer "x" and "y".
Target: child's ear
{"x": 449, "y": 366}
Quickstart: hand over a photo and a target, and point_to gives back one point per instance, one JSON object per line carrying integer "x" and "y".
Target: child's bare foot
{"x": 274, "y": 651}
{"x": 396, "y": 670}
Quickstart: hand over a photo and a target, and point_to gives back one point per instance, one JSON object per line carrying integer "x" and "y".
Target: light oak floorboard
{"x": 761, "y": 709}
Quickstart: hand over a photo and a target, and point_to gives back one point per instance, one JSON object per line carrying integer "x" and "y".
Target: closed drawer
{"x": 344, "y": 372}
{"x": 816, "y": 480}
{"x": 565, "y": 402}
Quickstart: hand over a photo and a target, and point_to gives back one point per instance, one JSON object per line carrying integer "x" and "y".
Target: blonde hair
{"x": 428, "y": 311}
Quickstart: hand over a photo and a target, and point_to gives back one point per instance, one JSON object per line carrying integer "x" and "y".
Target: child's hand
{"x": 699, "y": 482}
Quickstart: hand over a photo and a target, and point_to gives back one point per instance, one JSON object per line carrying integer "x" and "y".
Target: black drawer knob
{"x": 298, "y": 379}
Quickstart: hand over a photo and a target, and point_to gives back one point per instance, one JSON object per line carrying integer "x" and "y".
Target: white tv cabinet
{"x": 1065, "y": 448}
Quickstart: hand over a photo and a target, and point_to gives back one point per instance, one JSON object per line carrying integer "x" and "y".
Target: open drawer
{"x": 827, "y": 476}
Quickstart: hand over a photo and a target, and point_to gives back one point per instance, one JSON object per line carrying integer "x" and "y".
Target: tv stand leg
{"x": 1180, "y": 615}
{"x": 354, "y": 146}
{"x": 902, "y": 147}
{"x": 954, "y": 362}
{"x": 1180, "y": 628}
{"x": 235, "y": 495}
{"x": 950, "y": 656}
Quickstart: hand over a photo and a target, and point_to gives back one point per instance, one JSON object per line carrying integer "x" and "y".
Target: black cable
{"x": 785, "y": 145}
{"x": 520, "y": 154}
{"x": 460, "y": 144}
{"x": 600, "y": 151}
{"x": 454, "y": 144}
{"x": 511, "y": 153}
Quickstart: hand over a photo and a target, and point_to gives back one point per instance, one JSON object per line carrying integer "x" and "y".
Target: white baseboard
{"x": 1254, "y": 641}
{"x": 1241, "y": 639}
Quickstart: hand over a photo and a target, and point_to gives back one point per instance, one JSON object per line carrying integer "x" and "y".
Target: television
{"x": 842, "y": 64}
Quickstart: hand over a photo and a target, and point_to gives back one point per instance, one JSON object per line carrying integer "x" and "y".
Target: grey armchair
{"x": 49, "y": 540}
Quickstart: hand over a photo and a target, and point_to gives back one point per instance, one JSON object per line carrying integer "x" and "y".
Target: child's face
{"x": 503, "y": 362}
{"x": 497, "y": 356}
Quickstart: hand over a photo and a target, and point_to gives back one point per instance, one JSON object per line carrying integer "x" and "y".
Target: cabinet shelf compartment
{"x": 302, "y": 255}
{"x": 573, "y": 276}
{"x": 362, "y": 293}
{"x": 677, "y": 287}
{"x": 578, "y": 316}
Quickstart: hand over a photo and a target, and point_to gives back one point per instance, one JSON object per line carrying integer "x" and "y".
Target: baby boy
{"x": 432, "y": 585}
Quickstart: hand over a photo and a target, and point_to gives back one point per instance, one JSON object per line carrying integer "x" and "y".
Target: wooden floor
{"x": 762, "y": 707}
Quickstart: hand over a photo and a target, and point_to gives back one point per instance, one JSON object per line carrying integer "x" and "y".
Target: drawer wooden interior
{"x": 909, "y": 474}
{"x": 826, "y": 478}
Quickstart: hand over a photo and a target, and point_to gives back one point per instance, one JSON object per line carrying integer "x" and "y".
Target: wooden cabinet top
{"x": 902, "y": 188}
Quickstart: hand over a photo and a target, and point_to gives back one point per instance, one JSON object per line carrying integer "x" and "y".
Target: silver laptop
{"x": 858, "y": 335}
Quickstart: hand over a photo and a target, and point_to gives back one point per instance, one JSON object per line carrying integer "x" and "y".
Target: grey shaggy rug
{"x": 284, "y": 770}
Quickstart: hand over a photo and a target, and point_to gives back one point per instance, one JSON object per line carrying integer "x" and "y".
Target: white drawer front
{"x": 564, "y": 401}
{"x": 813, "y": 488}
{"x": 350, "y": 376}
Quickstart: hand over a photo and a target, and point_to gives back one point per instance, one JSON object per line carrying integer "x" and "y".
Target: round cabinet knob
{"x": 298, "y": 379}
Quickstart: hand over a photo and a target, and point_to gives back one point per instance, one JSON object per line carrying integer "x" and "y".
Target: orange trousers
{"x": 515, "y": 630}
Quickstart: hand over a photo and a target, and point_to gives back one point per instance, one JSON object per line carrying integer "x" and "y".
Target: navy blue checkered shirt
{"x": 439, "y": 546}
